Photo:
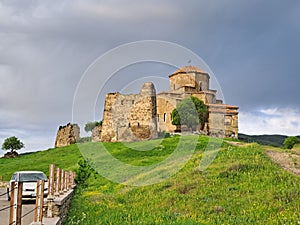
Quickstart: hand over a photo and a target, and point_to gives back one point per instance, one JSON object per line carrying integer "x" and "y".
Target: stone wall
{"x": 139, "y": 116}
{"x": 96, "y": 133}
{"x": 67, "y": 135}
{"x": 59, "y": 208}
{"x": 130, "y": 117}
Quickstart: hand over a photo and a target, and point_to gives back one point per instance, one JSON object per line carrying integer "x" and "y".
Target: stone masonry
{"x": 130, "y": 117}
{"x": 96, "y": 133}
{"x": 140, "y": 116}
{"x": 67, "y": 135}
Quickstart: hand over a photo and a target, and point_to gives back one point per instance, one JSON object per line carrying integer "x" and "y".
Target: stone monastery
{"x": 141, "y": 116}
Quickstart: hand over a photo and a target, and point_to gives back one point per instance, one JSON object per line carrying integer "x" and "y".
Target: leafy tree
{"x": 289, "y": 142}
{"x": 12, "y": 144}
{"x": 190, "y": 111}
{"x": 91, "y": 125}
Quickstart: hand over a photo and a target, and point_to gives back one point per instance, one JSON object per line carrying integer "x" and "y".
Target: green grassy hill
{"x": 66, "y": 158}
{"x": 241, "y": 186}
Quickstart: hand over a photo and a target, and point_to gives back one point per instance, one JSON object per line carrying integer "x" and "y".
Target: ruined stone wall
{"x": 67, "y": 135}
{"x": 108, "y": 132}
{"x": 130, "y": 117}
{"x": 96, "y": 133}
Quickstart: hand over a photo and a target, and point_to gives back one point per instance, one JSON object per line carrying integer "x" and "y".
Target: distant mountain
{"x": 273, "y": 140}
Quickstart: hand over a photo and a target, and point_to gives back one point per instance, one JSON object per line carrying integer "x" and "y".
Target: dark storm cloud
{"x": 252, "y": 47}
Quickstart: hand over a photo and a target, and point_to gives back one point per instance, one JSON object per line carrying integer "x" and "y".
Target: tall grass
{"x": 241, "y": 186}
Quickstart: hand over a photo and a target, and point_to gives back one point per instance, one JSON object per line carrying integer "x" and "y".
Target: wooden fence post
{"x": 73, "y": 178}
{"x": 12, "y": 203}
{"x": 19, "y": 203}
{"x": 62, "y": 181}
{"x": 70, "y": 180}
{"x": 66, "y": 181}
{"x": 16, "y": 203}
{"x": 57, "y": 183}
{"x": 38, "y": 215}
{"x": 50, "y": 197}
{"x": 51, "y": 181}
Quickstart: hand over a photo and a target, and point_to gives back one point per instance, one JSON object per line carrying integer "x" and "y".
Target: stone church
{"x": 141, "y": 116}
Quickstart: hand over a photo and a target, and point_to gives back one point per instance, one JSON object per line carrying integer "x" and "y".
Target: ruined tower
{"x": 130, "y": 117}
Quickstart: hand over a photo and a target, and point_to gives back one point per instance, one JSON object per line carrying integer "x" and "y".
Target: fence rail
{"x": 58, "y": 184}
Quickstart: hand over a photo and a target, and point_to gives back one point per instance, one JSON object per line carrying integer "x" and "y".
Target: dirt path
{"x": 289, "y": 161}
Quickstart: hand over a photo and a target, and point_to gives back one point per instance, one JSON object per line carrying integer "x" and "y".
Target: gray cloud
{"x": 252, "y": 47}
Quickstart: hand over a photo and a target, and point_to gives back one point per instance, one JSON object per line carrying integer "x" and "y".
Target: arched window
{"x": 200, "y": 86}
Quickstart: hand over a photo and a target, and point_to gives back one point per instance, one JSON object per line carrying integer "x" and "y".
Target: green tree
{"x": 289, "y": 142}
{"x": 91, "y": 125}
{"x": 83, "y": 172}
{"x": 12, "y": 144}
{"x": 190, "y": 111}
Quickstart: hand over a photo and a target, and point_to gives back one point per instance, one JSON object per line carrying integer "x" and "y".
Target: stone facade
{"x": 140, "y": 116}
{"x": 192, "y": 81}
{"x": 67, "y": 135}
{"x": 96, "y": 133}
{"x": 130, "y": 117}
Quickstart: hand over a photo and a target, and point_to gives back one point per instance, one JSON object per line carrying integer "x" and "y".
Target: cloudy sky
{"x": 253, "y": 48}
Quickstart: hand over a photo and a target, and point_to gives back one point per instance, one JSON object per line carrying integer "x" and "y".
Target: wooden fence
{"x": 59, "y": 183}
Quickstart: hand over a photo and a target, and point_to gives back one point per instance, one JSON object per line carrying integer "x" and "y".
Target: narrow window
{"x": 165, "y": 117}
{"x": 157, "y": 117}
{"x": 132, "y": 102}
{"x": 122, "y": 102}
{"x": 138, "y": 124}
{"x": 200, "y": 86}
{"x": 128, "y": 124}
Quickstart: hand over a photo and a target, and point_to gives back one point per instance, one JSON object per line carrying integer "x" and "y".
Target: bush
{"x": 83, "y": 172}
{"x": 290, "y": 142}
{"x": 85, "y": 139}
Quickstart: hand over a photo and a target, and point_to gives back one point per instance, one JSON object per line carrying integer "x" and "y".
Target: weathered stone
{"x": 67, "y": 135}
{"x": 96, "y": 133}
{"x": 13, "y": 154}
{"x": 130, "y": 117}
{"x": 140, "y": 116}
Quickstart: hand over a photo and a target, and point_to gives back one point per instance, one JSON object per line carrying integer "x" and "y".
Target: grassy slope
{"x": 242, "y": 186}
{"x": 65, "y": 158}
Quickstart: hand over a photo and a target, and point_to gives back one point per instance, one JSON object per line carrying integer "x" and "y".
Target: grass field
{"x": 241, "y": 186}
{"x": 66, "y": 158}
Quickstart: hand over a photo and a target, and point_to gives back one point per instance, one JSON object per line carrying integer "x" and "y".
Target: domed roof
{"x": 188, "y": 69}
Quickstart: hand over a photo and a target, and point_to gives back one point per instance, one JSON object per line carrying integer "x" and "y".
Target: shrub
{"x": 83, "y": 172}
{"x": 290, "y": 142}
